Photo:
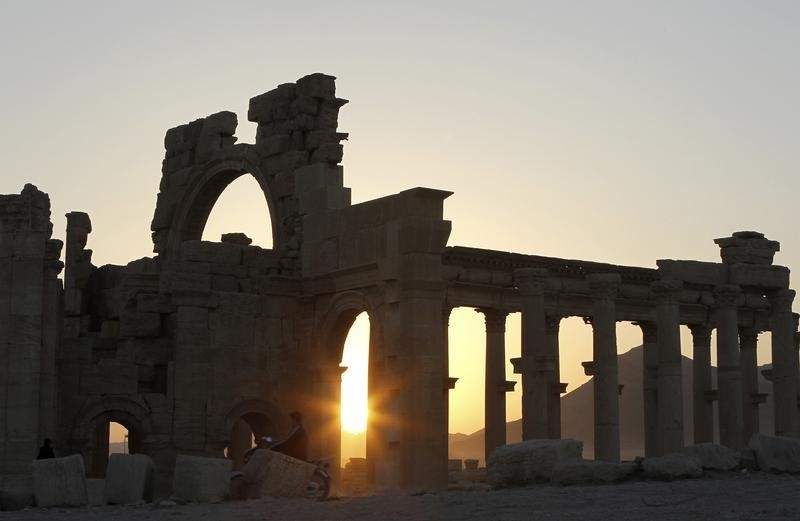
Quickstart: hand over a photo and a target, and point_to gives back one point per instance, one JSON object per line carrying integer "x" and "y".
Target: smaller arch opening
{"x": 111, "y": 435}
{"x": 245, "y": 431}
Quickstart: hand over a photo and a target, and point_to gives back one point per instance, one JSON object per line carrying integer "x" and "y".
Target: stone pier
{"x": 535, "y": 382}
{"x": 729, "y": 377}
{"x": 751, "y": 398}
{"x": 702, "y": 392}
{"x": 784, "y": 363}
{"x": 670, "y": 390}
{"x": 604, "y": 289}
{"x": 650, "y": 386}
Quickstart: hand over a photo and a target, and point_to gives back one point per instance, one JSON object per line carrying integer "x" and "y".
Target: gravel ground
{"x": 734, "y": 496}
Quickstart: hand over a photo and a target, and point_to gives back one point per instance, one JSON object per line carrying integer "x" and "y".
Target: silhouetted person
{"x": 46, "y": 451}
{"x": 296, "y": 444}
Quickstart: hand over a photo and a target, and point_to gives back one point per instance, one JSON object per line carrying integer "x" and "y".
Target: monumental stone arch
{"x": 205, "y": 344}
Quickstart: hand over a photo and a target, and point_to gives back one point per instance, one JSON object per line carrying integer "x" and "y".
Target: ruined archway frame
{"x": 203, "y": 191}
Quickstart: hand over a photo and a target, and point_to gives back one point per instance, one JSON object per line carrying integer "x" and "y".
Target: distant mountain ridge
{"x": 577, "y": 418}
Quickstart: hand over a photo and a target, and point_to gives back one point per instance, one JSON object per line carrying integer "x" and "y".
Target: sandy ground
{"x": 744, "y": 496}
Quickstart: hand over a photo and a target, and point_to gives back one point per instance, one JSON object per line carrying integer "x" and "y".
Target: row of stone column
{"x": 737, "y": 391}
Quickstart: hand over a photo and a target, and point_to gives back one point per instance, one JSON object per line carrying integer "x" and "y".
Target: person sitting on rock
{"x": 296, "y": 443}
{"x": 46, "y": 451}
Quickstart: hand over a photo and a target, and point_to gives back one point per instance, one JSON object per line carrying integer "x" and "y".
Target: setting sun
{"x": 354, "y": 379}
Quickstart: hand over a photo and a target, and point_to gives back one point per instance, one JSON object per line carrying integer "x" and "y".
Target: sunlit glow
{"x": 243, "y": 208}
{"x": 354, "y": 379}
{"x": 117, "y": 438}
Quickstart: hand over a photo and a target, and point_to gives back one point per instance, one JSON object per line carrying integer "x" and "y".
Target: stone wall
{"x": 30, "y": 296}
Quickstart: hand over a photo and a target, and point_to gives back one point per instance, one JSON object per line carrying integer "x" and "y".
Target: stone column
{"x": 748, "y": 340}
{"x": 604, "y": 289}
{"x": 650, "y": 386}
{"x": 703, "y": 407}
{"x": 495, "y": 403}
{"x": 729, "y": 379}
{"x": 670, "y": 390}
{"x": 530, "y": 282}
{"x": 552, "y": 326}
{"x": 784, "y": 363}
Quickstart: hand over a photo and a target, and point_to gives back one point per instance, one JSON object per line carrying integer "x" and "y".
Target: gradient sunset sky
{"x": 613, "y": 131}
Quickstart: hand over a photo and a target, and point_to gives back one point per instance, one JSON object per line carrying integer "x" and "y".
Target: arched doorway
{"x": 354, "y": 408}
{"x": 246, "y": 430}
{"x": 112, "y": 433}
{"x": 349, "y": 337}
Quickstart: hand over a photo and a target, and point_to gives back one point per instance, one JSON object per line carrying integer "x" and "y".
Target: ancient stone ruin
{"x": 204, "y": 344}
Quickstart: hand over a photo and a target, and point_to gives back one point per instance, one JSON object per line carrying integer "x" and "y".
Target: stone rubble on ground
{"x": 713, "y": 456}
{"x": 776, "y": 453}
{"x": 129, "y": 479}
{"x": 60, "y": 482}
{"x": 202, "y": 480}
{"x": 671, "y": 466}
{"x": 576, "y": 471}
{"x": 529, "y": 461}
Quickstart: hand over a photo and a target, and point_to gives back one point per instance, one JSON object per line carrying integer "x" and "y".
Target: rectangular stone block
{"x": 60, "y": 482}
{"x": 140, "y": 324}
{"x": 319, "y": 175}
{"x": 695, "y": 272}
{"x": 129, "y": 479}
{"x": 213, "y": 252}
{"x": 760, "y": 275}
{"x": 192, "y": 317}
{"x": 200, "y": 479}
{"x": 96, "y": 488}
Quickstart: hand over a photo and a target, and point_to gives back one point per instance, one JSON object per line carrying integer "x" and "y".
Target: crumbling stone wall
{"x": 30, "y": 302}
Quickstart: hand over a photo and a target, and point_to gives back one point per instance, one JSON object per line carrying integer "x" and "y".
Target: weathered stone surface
{"x": 672, "y": 466}
{"x": 776, "y": 453}
{"x": 15, "y": 499}
{"x": 96, "y": 488}
{"x": 129, "y": 479}
{"x": 575, "y": 471}
{"x": 272, "y": 474}
{"x": 714, "y": 457}
{"x": 529, "y": 461}
{"x": 60, "y": 482}
{"x": 199, "y": 479}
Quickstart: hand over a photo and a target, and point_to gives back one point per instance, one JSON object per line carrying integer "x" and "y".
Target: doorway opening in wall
{"x": 246, "y": 430}
{"x": 241, "y": 208}
{"x": 118, "y": 442}
{"x": 111, "y": 436}
{"x": 354, "y": 405}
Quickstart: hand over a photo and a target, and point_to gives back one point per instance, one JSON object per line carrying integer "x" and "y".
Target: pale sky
{"x": 611, "y": 131}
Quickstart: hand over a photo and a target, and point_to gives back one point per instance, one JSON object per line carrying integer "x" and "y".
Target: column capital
{"x": 667, "y": 290}
{"x": 530, "y": 281}
{"x": 748, "y": 336}
{"x": 604, "y": 286}
{"x": 495, "y": 319}
{"x": 552, "y": 323}
{"x": 649, "y": 331}
{"x": 727, "y": 295}
{"x": 781, "y": 300}
{"x": 701, "y": 333}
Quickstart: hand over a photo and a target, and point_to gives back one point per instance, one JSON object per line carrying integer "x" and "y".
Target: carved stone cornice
{"x": 530, "y": 281}
{"x": 604, "y": 286}
{"x": 701, "y": 334}
{"x": 552, "y": 323}
{"x": 727, "y": 295}
{"x": 649, "y": 331}
{"x": 667, "y": 291}
{"x": 781, "y": 300}
{"x": 495, "y": 319}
